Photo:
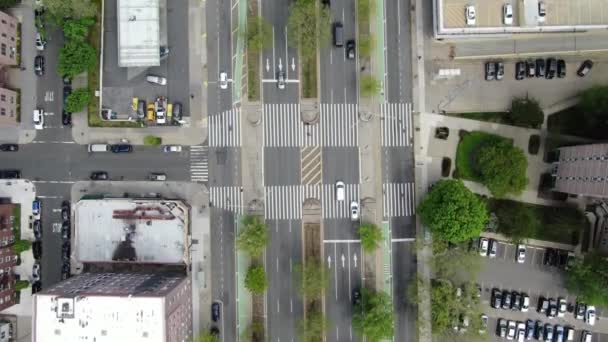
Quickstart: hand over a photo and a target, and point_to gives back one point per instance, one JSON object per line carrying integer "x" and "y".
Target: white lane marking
{"x": 54, "y": 182}
{"x": 53, "y": 142}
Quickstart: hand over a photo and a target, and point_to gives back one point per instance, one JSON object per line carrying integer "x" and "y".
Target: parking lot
{"x": 567, "y": 12}
{"x": 536, "y": 280}
{"x": 489, "y": 13}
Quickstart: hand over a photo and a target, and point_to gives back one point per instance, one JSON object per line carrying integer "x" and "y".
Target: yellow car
{"x": 135, "y": 100}
{"x": 151, "y": 112}
{"x": 169, "y": 112}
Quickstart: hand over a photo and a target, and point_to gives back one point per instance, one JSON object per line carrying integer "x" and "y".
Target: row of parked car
{"x": 520, "y": 331}
{"x": 508, "y": 300}
{"x": 489, "y": 247}
{"x": 539, "y": 68}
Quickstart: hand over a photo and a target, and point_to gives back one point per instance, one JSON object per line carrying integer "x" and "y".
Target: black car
{"x": 350, "y": 49}
{"x": 178, "y": 111}
{"x": 215, "y": 311}
{"x": 121, "y": 148}
{"x": 66, "y": 118}
{"x": 67, "y": 90}
{"x": 65, "y": 211}
{"x": 500, "y": 71}
{"x": 214, "y": 331}
{"x": 37, "y": 249}
{"x": 550, "y": 257}
{"x": 9, "y": 147}
{"x": 356, "y": 297}
{"x": 39, "y": 65}
{"x": 530, "y": 68}
{"x": 551, "y": 68}
{"x": 529, "y": 329}
{"x": 540, "y": 67}
{"x": 506, "y": 300}
{"x": 36, "y": 287}
{"x": 539, "y": 330}
{"x": 516, "y": 305}
{"x": 10, "y": 174}
{"x": 65, "y": 271}
{"x": 65, "y": 231}
{"x": 65, "y": 252}
{"x": 584, "y": 69}
{"x": 496, "y": 299}
{"x": 561, "y": 68}
{"x": 163, "y": 51}
{"x": 543, "y": 305}
{"x": 99, "y": 175}
{"x": 520, "y": 70}
{"x": 37, "y": 230}
{"x": 490, "y": 71}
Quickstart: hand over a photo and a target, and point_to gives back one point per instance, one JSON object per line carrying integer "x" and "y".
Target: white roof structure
{"x": 130, "y": 230}
{"x": 138, "y": 33}
{"x": 99, "y": 318}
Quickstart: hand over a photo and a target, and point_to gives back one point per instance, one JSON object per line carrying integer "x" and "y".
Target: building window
{"x": 3, "y": 98}
{"x": 3, "y": 49}
{"x": 2, "y": 111}
{"x": 12, "y": 100}
{"x": 3, "y": 21}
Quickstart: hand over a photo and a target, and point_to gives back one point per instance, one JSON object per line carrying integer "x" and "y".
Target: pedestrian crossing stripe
{"x": 199, "y": 163}
{"x": 396, "y": 124}
{"x": 225, "y": 128}
{"x": 339, "y": 123}
{"x": 398, "y": 199}
{"x": 227, "y": 197}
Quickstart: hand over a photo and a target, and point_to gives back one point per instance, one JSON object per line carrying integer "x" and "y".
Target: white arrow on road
{"x": 267, "y": 65}
{"x": 343, "y": 258}
{"x": 329, "y": 261}
{"x": 293, "y": 64}
{"x": 280, "y": 65}
{"x": 355, "y": 258}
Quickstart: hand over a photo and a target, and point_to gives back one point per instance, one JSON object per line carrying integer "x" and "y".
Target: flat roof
{"x": 99, "y": 318}
{"x": 138, "y": 33}
{"x": 131, "y": 230}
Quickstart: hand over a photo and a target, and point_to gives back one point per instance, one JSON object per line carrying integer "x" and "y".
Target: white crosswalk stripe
{"x": 283, "y": 202}
{"x": 227, "y": 198}
{"x": 339, "y": 123}
{"x": 396, "y": 124}
{"x": 338, "y": 209}
{"x": 283, "y": 127}
{"x": 398, "y": 199}
{"x": 225, "y": 129}
{"x": 199, "y": 163}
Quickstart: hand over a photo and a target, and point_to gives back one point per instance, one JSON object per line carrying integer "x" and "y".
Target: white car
{"x": 172, "y": 148}
{"x": 340, "y": 189}
{"x": 38, "y": 118}
{"x": 469, "y": 13}
{"x": 483, "y": 246}
{"x": 525, "y": 303}
{"x": 521, "y": 332}
{"x": 542, "y": 11}
{"x": 507, "y": 14}
{"x": 493, "y": 248}
{"x": 161, "y": 119}
{"x": 156, "y": 79}
{"x": 40, "y": 43}
{"x": 586, "y": 336}
{"x": 590, "y": 315}
{"x": 521, "y": 254}
{"x": 511, "y": 330}
{"x": 223, "y": 80}
{"x": 36, "y": 272}
{"x": 561, "y": 307}
{"x": 354, "y": 210}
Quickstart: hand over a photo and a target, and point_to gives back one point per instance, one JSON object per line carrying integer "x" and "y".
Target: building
{"x": 148, "y": 231}
{"x": 109, "y": 307}
{"x": 581, "y": 170}
{"x": 8, "y": 107}
{"x": 8, "y": 258}
{"x": 6, "y": 331}
{"x": 138, "y": 33}
{"x": 8, "y": 39}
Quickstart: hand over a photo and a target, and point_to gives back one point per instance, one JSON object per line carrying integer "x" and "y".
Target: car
{"x": 559, "y": 333}
{"x": 543, "y": 305}
{"x": 10, "y": 174}
{"x": 157, "y": 176}
{"x": 65, "y": 211}
{"x": 551, "y": 68}
{"x": 539, "y": 330}
{"x": 548, "y": 332}
{"x": 506, "y": 300}
{"x": 501, "y": 328}
{"x": 581, "y": 309}
{"x": 568, "y": 334}
{"x": 9, "y": 147}
{"x": 354, "y": 210}
{"x": 155, "y": 79}
{"x": 590, "y": 315}
{"x": 67, "y": 81}
{"x": 464, "y": 323}
{"x": 36, "y": 287}
{"x": 38, "y": 118}
{"x": 340, "y": 189}
{"x": 67, "y": 90}
{"x": 39, "y": 65}
{"x": 552, "y": 311}
{"x": 483, "y": 246}
{"x": 40, "y": 42}
{"x": 36, "y": 209}
{"x": 584, "y": 69}
{"x": 542, "y": 11}
{"x": 529, "y": 329}
{"x": 356, "y": 297}
{"x": 215, "y": 311}
{"x": 37, "y": 249}
{"x": 177, "y": 112}
{"x": 561, "y": 307}
{"x": 141, "y": 109}
{"x": 521, "y": 332}
{"x": 516, "y": 305}
{"x": 99, "y": 175}
{"x": 530, "y": 68}
{"x": 151, "y": 116}
{"x": 350, "y": 49}
{"x": 521, "y": 254}
{"x": 490, "y": 71}
{"x": 483, "y": 325}
{"x": 561, "y": 68}
{"x": 586, "y": 336}
{"x": 121, "y": 148}
{"x": 570, "y": 260}
{"x": 525, "y": 302}
{"x": 66, "y": 118}
{"x": 511, "y": 326}
{"x": 36, "y": 272}
{"x": 65, "y": 271}
{"x": 507, "y": 14}
{"x": 469, "y": 14}
{"x": 520, "y": 70}
{"x": 478, "y": 290}
{"x": 550, "y": 257}
{"x": 163, "y": 52}
{"x": 281, "y": 79}
{"x": 214, "y": 331}
{"x": 223, "y": 80}
{"x": 65, "y": 231}
{"x": 338, "y": 34}
{"x": 160, "y": 117}
{"x": 65, "y": 252}
{"x": 172, "y": 148}
{"x": 540, "y": 67}
{"x": 37, "y": 227}
{"x": 496, "y": 299}
{"x": 500, "y": 71}
{"x": 493, "y": 248}
{"x": 326, "y": 3}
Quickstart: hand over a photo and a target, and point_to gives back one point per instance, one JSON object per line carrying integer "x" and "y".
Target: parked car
{"x": 530, "y": 68}
{"x": 10, "y": 174}
{"x": 483, "y": 246}
{"x": 540, "y": 67}
{"x": 561, "y": 68}
{"x": 529, "y": 329}
{"x": 215, "y": 311}
{"x": 550, "y": 257}
{"x": 281, "y": 79}
{"x": 506, "y": 300}
{"x": 516, "y": 305}
{"x": 36, "y": 209}
{"x": 552, "y": 311}
{"x": 581, "y": 309}
{"x": 66, "y": 118}
{"x": 493, "y": 248}
{"x": 469, "y": 14}
{"x": 163, "y": 52}
{"x": 542, "y": 11}
{"x": 496, "y": 299}
{"x": 121, "y": 148}
{"x": 584, "y": 69}
{"x": 65, "y": 231}
{"x": 551, "y": 68}
{"x": 141, "y": 109}
{"x": 501, "y": 328}
{"x": 9, "y": 147}
{"x": 590, "y": 315}
{"x": 559, "y": 333}
{"x": 354, "y": 210}
{"x": 39, "y": 65}
{"x": 507, "y": 14}
{"x": 356, "y": 297}
{"x": 490, "y": 71}
{"x": 548, "y": 332}
{"x": 177, "y": 112}
{"x": 40, "y": 42}
{"x": 223, "y": 80}
{"x": 543, "y": 305}
{"x": 521, "y": 332}
{"x": 561, "y": 307}
{"x": 586, "y": 336}
{"x": 38, "y": 118}
{"x": 65, "y": 211}
{"x": 520, "y": 70}
{"x": 37, "y": 249}
{"x": 350, "y": 49}
{"x": 511, "y": 326}
{"x": 483, "y": 325}
{"x": 36, "y": 287}
{"x": 172, "y": 148}
{"x": 500, "y": 71}
{"x": 37, "y": 227}
{"x": 539, "y": 330}
{"x": 65, "y": 252}
{"x": 521, "y": 254}
{"x": 99, "y": 175}
{"x": 525, "y": 302}
{"x": 155, "y": 79}
{"x": 36, "y": 272}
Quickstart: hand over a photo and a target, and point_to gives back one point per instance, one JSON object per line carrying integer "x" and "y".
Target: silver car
{"x": 155, "y": 79}
{"x": 223, "y": 80}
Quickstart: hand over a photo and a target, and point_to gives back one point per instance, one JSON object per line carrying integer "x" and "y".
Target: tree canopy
{"x": 371, "y": 236}
{"x": 61, "y": 9}
{"x": 75, "y": 58}
{"x": 516, "y": 221}
{"x": 312, "y": 328}
{"x": 588, "y": 278}
{"x": 255, "y": 279}
{"x": 312, "y": 279}
{"x": 77, "y": 30}
{"x": 253, "y": 237}
{"x": 259, "y": 34}
{"x": 308, "y": 25}
{"x": 503, "y": 168}
{"x": 369, "y": 86}
{"x": 453, "y": 212}
{"x": 77, "y": 100}
{"x": 594, "y": 105}
{"x": 375, "y": 319}
{"x": 5, "y": 4}
{"x": 526, "y": 112}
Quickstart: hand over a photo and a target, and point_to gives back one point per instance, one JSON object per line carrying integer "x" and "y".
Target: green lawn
{"x": 309, "y": 77}
{"x": 17, "y": 221}
{"x": 468, "y": 146}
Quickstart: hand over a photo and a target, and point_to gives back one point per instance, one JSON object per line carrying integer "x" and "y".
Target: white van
{"x": 38, "y": 118}
{"x": 569, "y": 334}
{"x": 99, "y": 147}
{"x": 340, "y": 195}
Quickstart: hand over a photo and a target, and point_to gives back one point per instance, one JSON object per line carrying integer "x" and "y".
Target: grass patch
{"x": 151, "y": 140}
{"x": 253, "y": 76}
{"x": 469, "y": 145}
{"x": 495, "y": 117}
{"x": 17, "y": 221}
{"x": 309, "y": 77}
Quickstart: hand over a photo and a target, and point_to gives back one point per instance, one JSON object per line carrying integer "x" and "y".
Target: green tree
{"x": 312, "y": 328}
{"x": 58, "y": 10}
{"x": 75, "y": 58}
{"x": 375, "y": 319}
{"x": 5, "y": 4}
{"x": 312, "y": 279}
{"x": 456, "y": 264}
{"x": 307, "y": 26}
{"x": 370, "y": 86}
{"x": 253, "y": 237}
{"x": 515, "y": 220}
{"x": 588, "y": 278}
{"x": 254, "y": 332}
{"x": 502, "y": 167}
{"x": 21, "y": 285}
{"x": 371, "y": 236}
{"x": 526, "y": 112}
{"x": 77, "y": 30}
{"x": 444, "y": 306}
{"x": 78, "y": 100}
{"x": 206, "y": 337}
{"x": 255, "y": 279}
{"x": 259, "y": 34}
{"x": 152, "y": 140}
{"x": 593, "y": 105}
{"x": 453, "y": 212}
{"x": 21, "y": 246}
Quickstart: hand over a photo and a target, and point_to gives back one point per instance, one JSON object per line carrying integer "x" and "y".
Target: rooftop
{"x": 138, "y": 33}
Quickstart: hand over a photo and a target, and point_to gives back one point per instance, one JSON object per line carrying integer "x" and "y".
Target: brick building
{"x": 8, "y": 258}
{"x": 8, "y": 39}
{"x": 8, "y": 107}
{"x": 581, "y": 170}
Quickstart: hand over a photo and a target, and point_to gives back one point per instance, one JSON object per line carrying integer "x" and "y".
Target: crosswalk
{"x": 225, "y": 128}
{"x": 396, "y": 124}
{"x": 283, "y": 127}
{"x": 398, "y": 199}
{"x": 227, "y": 198}
{"x": 199, "y": 163}
{"x": 339, "y": 124}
